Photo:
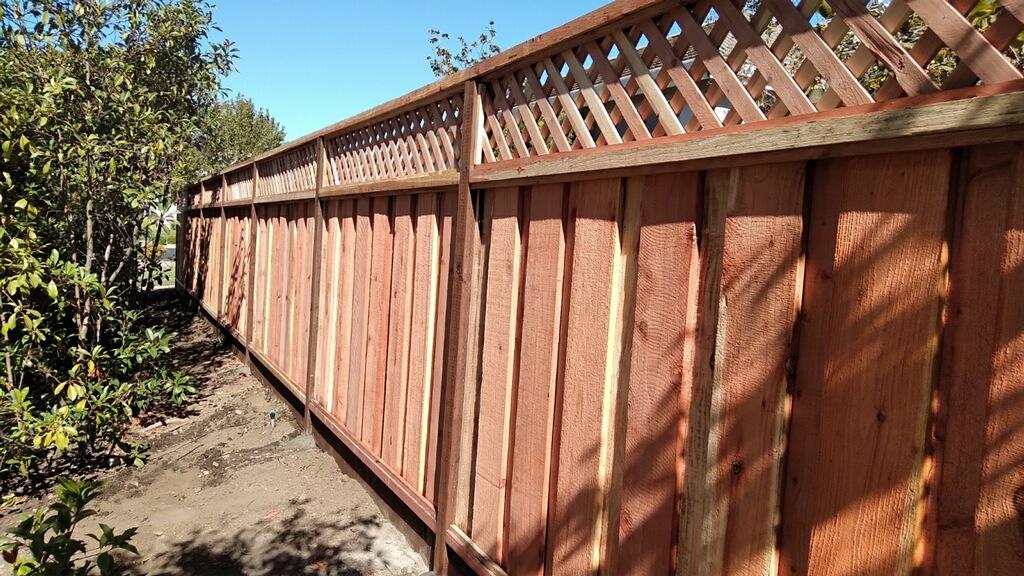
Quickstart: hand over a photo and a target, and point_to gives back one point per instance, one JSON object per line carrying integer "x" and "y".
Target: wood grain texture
{"x": 330, "y": 256}
{"x": 277, "y": 277}
{"x": 885, "y": 47}
{"x": 760, "y": 271}
{"x": 258, "y": 291}
{"x": 314, "y": 229}
{"x": 660, "y": 373}
{"x": 591, "y": 373}
{"x": 399, "y": 325}
{"x": 421, "y": 349}
{"x": 303, "y": 292}
{"x": 877, "y": 362}
{"x": 701, "y": 530}
{"x": 814, "y": 324}
{"x": 372, "y": 426}
{"x": 288, "y": 290}
{"x": 1000, "y": 519}
{"x": 446, "y": 231}
{"x": 353, "y": 388}
{"x": 497, "y": 372}
{"x": 343, "y": 300}
{"x": 461, "y": 338}
{"x": 969, "y": 344}
{"x": 538, "y": 378}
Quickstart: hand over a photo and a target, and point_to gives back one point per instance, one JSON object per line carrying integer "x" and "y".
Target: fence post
{"x": 179, "y": 239}
{"x": 250, "y": 294}
{"x": 222, "y": 263}
{"x": 314, "y": 296}
{"x": 464, "y": 252}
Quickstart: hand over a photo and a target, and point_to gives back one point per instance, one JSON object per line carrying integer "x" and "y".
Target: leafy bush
{"x": 100, "y": 102}
{"x": 49, "y": 540}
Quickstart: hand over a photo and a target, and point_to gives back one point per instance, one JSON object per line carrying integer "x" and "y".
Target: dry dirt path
{"x": 223, "y": 494}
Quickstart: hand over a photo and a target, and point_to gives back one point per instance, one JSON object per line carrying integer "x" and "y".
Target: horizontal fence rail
{"x": 678, "y": 288}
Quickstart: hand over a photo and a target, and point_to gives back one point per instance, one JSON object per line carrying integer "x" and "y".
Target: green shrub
{"x": 44, "y": 543}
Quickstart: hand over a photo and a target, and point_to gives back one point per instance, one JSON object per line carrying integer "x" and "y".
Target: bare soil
{"x": 223, "y": 493}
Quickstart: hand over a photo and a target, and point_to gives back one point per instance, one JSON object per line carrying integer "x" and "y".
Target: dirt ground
{"x": 224, "y": 494}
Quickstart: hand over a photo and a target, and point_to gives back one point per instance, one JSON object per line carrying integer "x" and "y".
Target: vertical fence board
{"x": 421, "y": 350}
{"x": 968, "y": 348}
{"x": 447, "y": 213}
{"x": 816, "y": 312}
{"x": 400, "y": 322}
{"x": 1000, "y": 523}
{"x": 878, "y": 355}
{"x": 701, "y": 525}
{"x": 372, "y": 427}
{"x": 659, "y": 375}
{"x": 279, "y": 242}
{"x": 538, "y": 376}
{"x": 258, "y": 294}
{"x": 497, "y": 371}
{"x": 476, "y": 284}
{"x": 760, "y": 270}
{"x": 342, "y": 296}
{"x": 327, "y": 326}
{"x": 595, "y": 208}
{"x": 360, "y": 313}
{"x": 286, "y": 289}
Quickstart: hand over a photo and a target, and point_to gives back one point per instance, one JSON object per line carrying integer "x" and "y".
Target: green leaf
{"x": 105, "y": 563}
{"x": 51, "y": 289}
{"x": 21, "y": 204}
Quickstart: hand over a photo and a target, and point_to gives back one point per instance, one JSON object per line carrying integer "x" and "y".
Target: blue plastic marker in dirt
{"x": 273, "y": 419}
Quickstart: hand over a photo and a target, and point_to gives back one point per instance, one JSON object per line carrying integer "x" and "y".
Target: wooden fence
{"x": 672, "y": 289}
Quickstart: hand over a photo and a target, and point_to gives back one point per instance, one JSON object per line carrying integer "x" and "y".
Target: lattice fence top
{"x": 717, "y": 63}
{"x": 239, "y": 184}
{"x": 293, "y": 171}
{"x": 420, "y": 141}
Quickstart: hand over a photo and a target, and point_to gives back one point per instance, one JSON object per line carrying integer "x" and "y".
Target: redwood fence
{"x": 672, "y": 289}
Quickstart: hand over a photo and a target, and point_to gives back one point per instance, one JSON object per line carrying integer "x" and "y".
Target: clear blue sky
{"x": 313, "y": 63}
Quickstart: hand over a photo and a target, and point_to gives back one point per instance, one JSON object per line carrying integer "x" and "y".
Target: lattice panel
{"x": 712, "y": 64}
{"x": 240, "y": 184}
{"x": 293, "y": 171}
{"x": 421, "y": 141}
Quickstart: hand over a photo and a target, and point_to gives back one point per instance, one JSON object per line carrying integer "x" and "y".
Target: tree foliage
{"x": 444, "y": 62}
{"x": 231, "y": 131}
{"x": 99, "y": 103}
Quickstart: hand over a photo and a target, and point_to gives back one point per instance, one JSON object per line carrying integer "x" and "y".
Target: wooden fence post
{"x": 464, "y": 271}
{"x": 179, "y": 238}
{"x": 251, "y": 280}
{"x": 222, "y": 263}
{"x": 314, "y": 295}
